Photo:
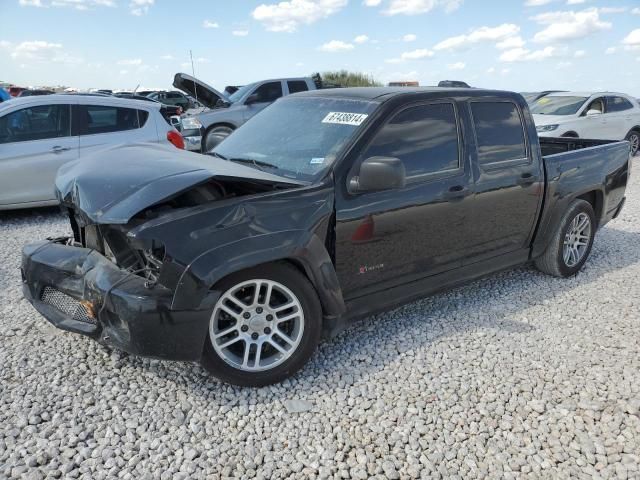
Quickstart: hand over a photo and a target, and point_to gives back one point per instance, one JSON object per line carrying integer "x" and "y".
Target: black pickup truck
{"x": 327, "y": 206}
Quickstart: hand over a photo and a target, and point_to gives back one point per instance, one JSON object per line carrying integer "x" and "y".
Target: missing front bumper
{"x": 81, "y": 291}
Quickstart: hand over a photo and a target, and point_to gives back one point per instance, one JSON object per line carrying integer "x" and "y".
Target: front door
{"x": 34, "y": 142}
{"x": 387, "y": 238}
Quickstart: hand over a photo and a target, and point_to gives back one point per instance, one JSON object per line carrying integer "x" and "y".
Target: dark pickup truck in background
{"x": 327, "y": 206}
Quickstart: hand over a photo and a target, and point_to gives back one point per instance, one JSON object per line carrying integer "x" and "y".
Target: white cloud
{"x": 563, "y": 26}
{"x": 130, "y": 61}
{"x": 240, "y": 33}
{"x": 167, "y": 57}
{"x": 636, "y": 11}
{"x": 491, "y": 70}
{"x": 76, "y": 4}
{"x": 371, "y": 3}
{"x": 288, "y": 16}
{"x": 606, "y": 10}
{"x": 456, "y": 66}
{"x": 409, "y": 37}
{"x": 579, "y": 54}
{"x": 633, "y": 38}
{"x": 611, "y": 50}
{"x": 562, "y": 65}
{"x": 38, "y": 51}
{"x": 418, "y": 54}
{"x": 482, "y": 34}
{"x": 525, "y": 55}
{"x": 510, "y": 42}
{"x": 335, "y": 46}
{"x": 210, "y": 24}
{"x": 536, "y": 3}
{"x": 505, "y": 71}
{"x": 416, "y": 7}
{"x": 361, "y": 39}
{"x": 575, "y": 2}
{"x": 140, "y": 7}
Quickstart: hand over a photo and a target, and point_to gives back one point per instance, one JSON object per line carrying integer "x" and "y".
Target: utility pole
{"x": 193, "y": 73}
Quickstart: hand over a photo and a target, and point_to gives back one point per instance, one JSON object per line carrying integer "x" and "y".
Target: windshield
{"x": 296, "y": 137}
{"x": 558, "y": 105}
{"x": 530, "y": 96}
{"x": 238, "y": 94}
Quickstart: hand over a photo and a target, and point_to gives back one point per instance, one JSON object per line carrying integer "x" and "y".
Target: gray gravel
{"x": 517, "y": 375}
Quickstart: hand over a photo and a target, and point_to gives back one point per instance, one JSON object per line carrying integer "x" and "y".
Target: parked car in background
{"x": 171, "y": 113}
{"x": 326, "y": 207}
{"x": 600, "y": 115}
{"x": 531, "y": 97}
{"x": 35, "y": 92}
{"x": 178, "y": 99}
{"x": 39, "y": 134}
{"x": 4, "y": 95}
{"x": 204, "y": 131}
{"x": 453, "y": 84}
{"x": 15, "y": 91}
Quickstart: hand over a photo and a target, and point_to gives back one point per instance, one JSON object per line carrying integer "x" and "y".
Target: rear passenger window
{"x": 618, "y": 104}
{"x": 297, "y": 86}
{"x": 104, "y": 119}
{"x": 424, "y": 137}
{"x": 36, "y": 123}
{"x": 499, "y": 132}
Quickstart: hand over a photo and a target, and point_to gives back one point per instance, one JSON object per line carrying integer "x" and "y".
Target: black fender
{"x": 303, "y": 248}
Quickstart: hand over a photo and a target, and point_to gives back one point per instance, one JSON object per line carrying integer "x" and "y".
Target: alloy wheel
{"x": 576, "y": 240}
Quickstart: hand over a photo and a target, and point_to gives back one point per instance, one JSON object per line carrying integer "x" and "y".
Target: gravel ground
{"x": 517, "y": 375}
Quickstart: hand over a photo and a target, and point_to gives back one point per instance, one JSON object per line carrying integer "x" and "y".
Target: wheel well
{"x": 595, "y": 198}
{"x": 570, "y": 134}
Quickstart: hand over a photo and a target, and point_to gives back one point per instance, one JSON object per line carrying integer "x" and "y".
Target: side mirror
{"x": 592, "y": 112}
{"x": 379, "y": 173}
{"x": 220, "y": 103}
{"x": 253, "y": 98}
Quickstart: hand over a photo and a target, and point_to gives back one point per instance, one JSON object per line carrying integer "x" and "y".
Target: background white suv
{"x": 602, "y": 116}
{"x": 39, "y": 134}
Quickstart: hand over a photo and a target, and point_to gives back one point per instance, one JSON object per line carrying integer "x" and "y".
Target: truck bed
{"x": 551, "y": 146}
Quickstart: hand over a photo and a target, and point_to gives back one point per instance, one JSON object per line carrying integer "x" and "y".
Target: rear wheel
{"x": 571, "y": 243}
{"x": 264, "y": 327}
{"x": 215, "y": 136}
{"x": 634, "y": 139}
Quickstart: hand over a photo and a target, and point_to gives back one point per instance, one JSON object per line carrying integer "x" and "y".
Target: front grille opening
{"x": 68, "y": 305}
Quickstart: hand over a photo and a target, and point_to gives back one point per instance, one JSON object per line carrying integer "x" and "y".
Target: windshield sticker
{"x": 345, "y": 118}
{"x": 317, "y": 161}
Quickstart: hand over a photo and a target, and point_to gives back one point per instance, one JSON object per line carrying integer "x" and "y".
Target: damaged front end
{"x": 141, "y": 227}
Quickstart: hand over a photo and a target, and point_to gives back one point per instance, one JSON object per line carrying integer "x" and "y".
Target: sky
{"x": 522, "y": 45}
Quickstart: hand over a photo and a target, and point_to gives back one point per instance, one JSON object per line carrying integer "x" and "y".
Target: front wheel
{"x": 571, "y": 243}
{"x": 215, "y": 136}
{"x": 264, "y": 327}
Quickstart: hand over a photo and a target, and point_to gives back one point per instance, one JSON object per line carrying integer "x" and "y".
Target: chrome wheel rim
{"x": 256, "y": 325}
{"x": 216, "y": 136}
{"x": 634, "y": 140}
{"x": 576, "y": 240}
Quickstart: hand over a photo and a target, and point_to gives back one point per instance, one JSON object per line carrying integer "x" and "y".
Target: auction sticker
{"x": 345, "y": 118}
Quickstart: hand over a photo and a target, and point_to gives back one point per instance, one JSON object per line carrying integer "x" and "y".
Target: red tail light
{"x": 174, "y": 137}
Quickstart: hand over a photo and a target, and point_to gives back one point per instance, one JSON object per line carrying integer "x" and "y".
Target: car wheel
{"x": 634, "y": 139}
{"x": 215, "y": 136}
{"x": 264, "y": 327}
{"x": 571, "y": 243}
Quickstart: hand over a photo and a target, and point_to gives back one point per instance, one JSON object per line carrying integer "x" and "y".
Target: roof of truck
{"x": 372, "y": 93}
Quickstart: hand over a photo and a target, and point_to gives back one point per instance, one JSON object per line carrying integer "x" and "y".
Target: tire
{"x": 232, "y": 332}
{"x": 633, "y": 137}
{"x": 553, "y": 261}
{"x": 215, "y": 136}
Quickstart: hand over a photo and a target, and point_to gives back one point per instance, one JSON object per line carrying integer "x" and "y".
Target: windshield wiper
{"x": 253, "y": 161}
{"x": 216, "y": 154}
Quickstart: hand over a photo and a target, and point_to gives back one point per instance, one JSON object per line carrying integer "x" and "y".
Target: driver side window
{"x": 268, "y": 92}
{"x": 597, "y": 104}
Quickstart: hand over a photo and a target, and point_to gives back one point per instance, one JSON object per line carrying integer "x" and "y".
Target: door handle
{"x": 527, "y": 179}
{"x": 59, "y": 149}
{"x": 457, "y": 192}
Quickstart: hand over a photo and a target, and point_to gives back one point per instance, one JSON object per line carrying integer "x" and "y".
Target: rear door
{"x": 509, "y": 181}
{"x": 34, "y": 142}
{"x": 103, "y": 125}
{"x": 620, "y": 118}
{"x": 387, "y": 238}
{"x": 295, "y": 86}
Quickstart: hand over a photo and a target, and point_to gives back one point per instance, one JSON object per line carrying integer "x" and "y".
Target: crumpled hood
{"x": 113, "y": 185}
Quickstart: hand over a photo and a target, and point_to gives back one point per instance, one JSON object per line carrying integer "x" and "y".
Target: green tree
{"x": 344, "y": 78}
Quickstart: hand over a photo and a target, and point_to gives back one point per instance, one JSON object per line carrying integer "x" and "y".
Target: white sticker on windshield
{"x": 317, "y": 161}
{"x": 345, "y": 118}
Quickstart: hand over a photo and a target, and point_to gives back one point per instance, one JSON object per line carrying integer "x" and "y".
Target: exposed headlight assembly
{"x": 547, "y": 128}
{"x": 191, "y": 123}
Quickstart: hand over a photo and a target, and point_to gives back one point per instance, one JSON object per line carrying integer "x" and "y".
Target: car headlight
{"x": 191, "y": 123}
{"x": 547, "y": 128}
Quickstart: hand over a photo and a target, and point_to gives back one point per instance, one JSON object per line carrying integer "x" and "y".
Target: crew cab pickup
{"x": 325, "y": 207}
